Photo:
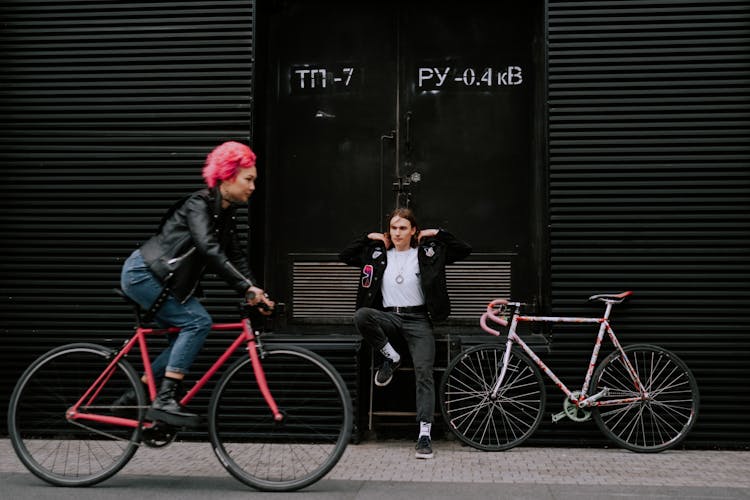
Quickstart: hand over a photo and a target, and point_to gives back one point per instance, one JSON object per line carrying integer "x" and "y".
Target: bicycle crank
{"x": 158, "y": 435}
{"x": 572, "y": 411}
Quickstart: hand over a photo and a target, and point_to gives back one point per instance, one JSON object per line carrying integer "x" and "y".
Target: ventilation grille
{"x": 109, "y": 109}
{"x": 471, "y": 285}
{"x": 323, "y": 290}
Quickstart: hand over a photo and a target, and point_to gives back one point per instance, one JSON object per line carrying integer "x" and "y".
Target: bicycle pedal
{"x": 556, "y": 417}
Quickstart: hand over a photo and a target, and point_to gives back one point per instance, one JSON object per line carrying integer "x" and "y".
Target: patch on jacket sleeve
{"x": 429, "y": 251}
{"x": 367, "y": 273}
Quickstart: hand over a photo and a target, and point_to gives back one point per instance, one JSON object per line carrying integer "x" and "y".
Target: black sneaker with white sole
{"x": 384, "y": 375}
{"x": 424, "y": 447}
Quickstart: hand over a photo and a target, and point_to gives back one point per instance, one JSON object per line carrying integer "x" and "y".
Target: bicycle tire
{"x": 467, "y": 406}
{"x": 55, "y": 449}
{"x": 297, "y": 452}
{"x": 662, "y": 421}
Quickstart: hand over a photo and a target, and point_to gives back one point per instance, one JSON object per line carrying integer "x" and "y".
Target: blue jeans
{"x": 376, "y": 326}
{"x": 139, "y": 283}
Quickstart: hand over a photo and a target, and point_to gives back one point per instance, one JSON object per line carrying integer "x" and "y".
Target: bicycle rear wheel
{"x": 658, "y": 422}
{"x": 72, "y": 452}
{"x": 469, "y": 409}
{"x": 287, "y": 455}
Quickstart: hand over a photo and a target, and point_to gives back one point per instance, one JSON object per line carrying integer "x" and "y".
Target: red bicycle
{"x": 279, "y": 418}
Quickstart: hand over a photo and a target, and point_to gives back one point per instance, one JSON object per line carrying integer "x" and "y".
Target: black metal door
{"x": 408, "y": 103}
{"x": 466, "y": 118}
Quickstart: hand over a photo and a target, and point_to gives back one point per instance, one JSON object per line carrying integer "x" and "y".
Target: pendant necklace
{"x": 399, "y": 276}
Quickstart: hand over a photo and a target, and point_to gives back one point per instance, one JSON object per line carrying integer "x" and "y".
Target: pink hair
{"x": 225, "y": 160}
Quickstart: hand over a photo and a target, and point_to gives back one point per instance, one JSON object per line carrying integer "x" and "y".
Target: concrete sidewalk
{"x": 393, "y": 461}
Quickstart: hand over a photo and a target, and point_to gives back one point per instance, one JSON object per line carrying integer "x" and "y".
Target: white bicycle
{"x": 642, "y": 397}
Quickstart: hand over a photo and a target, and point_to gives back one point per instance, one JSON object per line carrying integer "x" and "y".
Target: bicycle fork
{"x": 260, "y": 375}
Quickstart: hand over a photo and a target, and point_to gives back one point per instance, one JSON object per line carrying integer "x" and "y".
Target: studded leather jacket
{"x": 195, "y": 236}
{"x": 434, "y": 253}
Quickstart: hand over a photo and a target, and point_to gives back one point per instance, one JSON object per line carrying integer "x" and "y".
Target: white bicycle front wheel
{"x": 481, "y": 420}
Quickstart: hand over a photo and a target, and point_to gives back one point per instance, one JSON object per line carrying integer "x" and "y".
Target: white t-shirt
{"x": 401, "y": 281}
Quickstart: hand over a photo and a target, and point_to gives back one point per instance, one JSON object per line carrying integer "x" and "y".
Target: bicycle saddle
{"x": 142, "y": 318}
{"x": 614, "y": 299}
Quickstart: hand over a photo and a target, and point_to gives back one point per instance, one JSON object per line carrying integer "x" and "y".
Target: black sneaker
{"x": 384, "y": 375}
{"x": 424, "y": 447}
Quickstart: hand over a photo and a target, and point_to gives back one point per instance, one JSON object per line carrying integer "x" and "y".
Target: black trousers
{"x": 377, "y": 326}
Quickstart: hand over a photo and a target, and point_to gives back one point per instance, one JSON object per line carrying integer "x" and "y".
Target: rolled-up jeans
{"x": 376, "y": 326}
{"x": 140, "y": 284}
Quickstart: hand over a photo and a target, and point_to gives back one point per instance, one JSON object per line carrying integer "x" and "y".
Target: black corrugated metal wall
{"x": 649, "y": 172}
{"x": 108, "y": 111}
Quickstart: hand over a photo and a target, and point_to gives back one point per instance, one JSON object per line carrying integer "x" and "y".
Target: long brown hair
{"x": 408, "y": 214}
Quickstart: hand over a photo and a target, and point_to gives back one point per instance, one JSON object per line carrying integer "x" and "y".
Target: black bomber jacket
{"x": 195, "y": 236}
{"x": 434, "y": 254}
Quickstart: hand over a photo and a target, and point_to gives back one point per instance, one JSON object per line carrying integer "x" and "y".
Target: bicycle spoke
{"x": 71, "y": 452}
{"x": 479, "y": 419}
{"x": 658, "y": 419}
{"x": 287, "y": 455}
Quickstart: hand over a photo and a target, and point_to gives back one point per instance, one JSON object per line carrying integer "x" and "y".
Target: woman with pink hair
{"x": 197, "y": 234}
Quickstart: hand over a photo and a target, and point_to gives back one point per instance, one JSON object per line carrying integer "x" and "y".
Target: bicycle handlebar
{"x": 491, "y": 331}
{"x": 494, "y": 309}
{"x": 260, "y": 305}
{"x": 246, "y": 308}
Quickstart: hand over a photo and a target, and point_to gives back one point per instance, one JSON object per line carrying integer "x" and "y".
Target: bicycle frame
{"x": 139, "y": 338}
{"x": 583, "y": 400}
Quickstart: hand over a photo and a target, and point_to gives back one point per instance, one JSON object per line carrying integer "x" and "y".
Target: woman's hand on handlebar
{"x": 257, "y": 297}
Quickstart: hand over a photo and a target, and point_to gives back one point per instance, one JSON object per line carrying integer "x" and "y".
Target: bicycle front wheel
{"x": 481, "y": 420}
{"x": 293, "y": 453}
{"x": 72, "y": 452}
{"x": 660, "y": 420}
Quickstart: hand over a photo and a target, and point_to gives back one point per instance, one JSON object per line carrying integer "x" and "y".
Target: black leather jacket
{"x": 196, "y": 236}
{"x": 434, "y": 253}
